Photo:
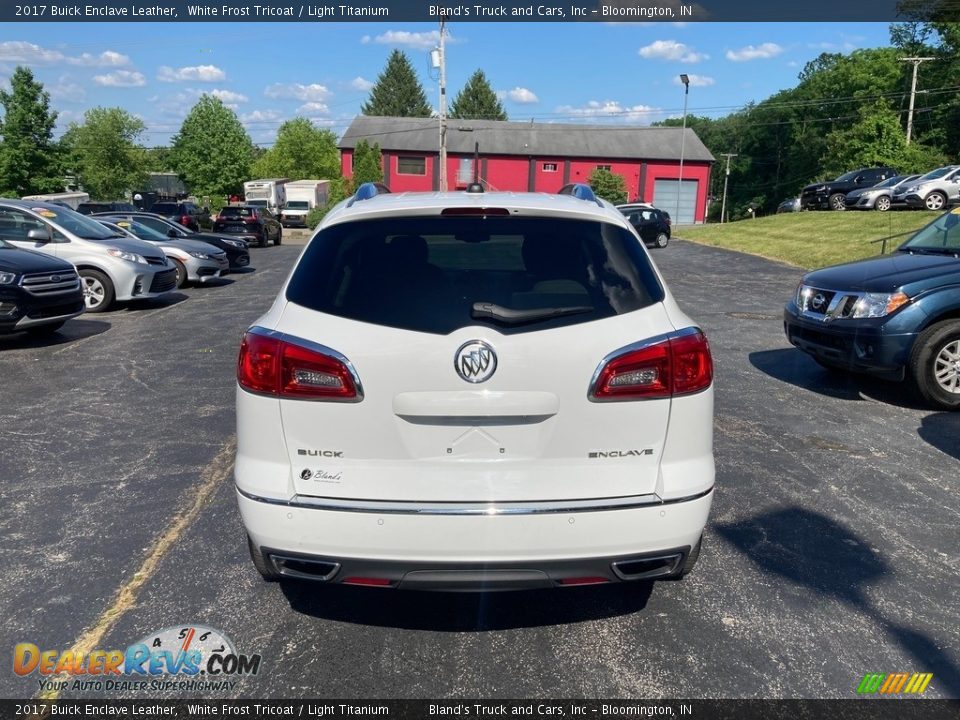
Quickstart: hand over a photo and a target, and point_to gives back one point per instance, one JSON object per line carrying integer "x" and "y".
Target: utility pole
{"x": 443, "y": 107}
{"x": 685, "y": 79}
{"x": 913, "y": 89}
{"x": 723, "y": 206}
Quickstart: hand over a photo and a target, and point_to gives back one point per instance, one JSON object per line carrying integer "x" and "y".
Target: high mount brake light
{"x": 474, "y": 211}
{"x": 272, "y": 366}
{"x": 677, "y": 365}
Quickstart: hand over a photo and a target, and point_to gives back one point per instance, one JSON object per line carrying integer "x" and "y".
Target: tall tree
{"x": 367, "y": 163}
{"x": 477, "y": 101}
{"x": 103, "y": 152}
{"x": 29, "y": 159}
{"x": 397, "y": 92}
{"x": 301, "y": 151}
{"x": 212, "y": 153}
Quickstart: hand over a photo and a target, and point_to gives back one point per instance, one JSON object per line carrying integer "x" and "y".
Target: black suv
{"x": 896, "y": 317}
{"x": 38, "y": 293}
{"x": 651, "y": 224}
{"x": 832, "y": 195}
{"x": 188, "y": 214}
{"x": 253, "y": 223}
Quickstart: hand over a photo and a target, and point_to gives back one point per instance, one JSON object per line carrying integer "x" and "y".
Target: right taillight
{"x": 677, "y": 365}
{"x": 270, "y": 365}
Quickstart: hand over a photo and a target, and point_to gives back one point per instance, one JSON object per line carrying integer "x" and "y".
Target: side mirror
{"x": 171, "y": 233}
{"x": 41, "y": 235}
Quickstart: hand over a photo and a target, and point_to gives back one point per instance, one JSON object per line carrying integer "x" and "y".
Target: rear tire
{"x": 261, "y": 563}
{"x": 279, "y": 237}
{"x": 934, "y": 366}
{"x": 98, "y": 291}
{"x": 662, "y": 240}
{"x": 181, "y": 272}
{"x": 837, "y": 202}
{"x": 264, "y": 239}
{"x": 690, "y": 560}
{"x": 882, "y": 204}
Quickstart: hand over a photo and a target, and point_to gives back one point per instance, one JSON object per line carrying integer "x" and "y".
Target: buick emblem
{"x": 818, "y": 301}
{"x": 475, "y": 361}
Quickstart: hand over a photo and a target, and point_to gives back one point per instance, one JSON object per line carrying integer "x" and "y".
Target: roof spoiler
{"x": 581, "y": 191}
{"x": 368, "y": 190}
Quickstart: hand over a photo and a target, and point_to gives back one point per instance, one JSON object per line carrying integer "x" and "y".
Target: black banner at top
{"x": 565, "y": 11}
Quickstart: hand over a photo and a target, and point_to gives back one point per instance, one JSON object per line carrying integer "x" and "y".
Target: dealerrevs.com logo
{"x": 188, "y": 658}
{"x": 894, "y": 683}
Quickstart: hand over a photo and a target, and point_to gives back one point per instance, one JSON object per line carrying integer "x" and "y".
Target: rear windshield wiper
{"x": 516, "y": 317}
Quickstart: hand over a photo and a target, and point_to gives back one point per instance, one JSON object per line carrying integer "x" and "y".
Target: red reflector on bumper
{"x": 375, "y": 582}
{"x": 584, "y": 581}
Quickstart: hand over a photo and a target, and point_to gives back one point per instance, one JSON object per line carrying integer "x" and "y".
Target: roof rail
{"x": 581, "y": 191}
{"x": 368, "y": 190}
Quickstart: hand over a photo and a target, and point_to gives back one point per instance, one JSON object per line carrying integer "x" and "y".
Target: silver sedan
{"x": 195, "y": 261}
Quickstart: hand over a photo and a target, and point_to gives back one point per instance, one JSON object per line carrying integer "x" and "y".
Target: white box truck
{"x": 70, "y": 199}
{"x": 268, "y": 193}
{"x": 302, "y": 197}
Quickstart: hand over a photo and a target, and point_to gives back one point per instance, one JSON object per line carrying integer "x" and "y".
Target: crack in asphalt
{"x": 126, "y": 596}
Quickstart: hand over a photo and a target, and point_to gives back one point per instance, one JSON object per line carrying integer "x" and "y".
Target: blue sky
{"x": 584, "y": 72}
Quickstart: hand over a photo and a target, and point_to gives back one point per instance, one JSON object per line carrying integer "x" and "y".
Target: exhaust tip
{"x": 304, "y": 569}
{"x": 648, "y": 567}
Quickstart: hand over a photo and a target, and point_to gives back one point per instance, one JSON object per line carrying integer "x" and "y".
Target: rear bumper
{"x": 462, "y": 547}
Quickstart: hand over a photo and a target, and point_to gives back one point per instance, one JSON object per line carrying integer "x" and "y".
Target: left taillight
{"x": 677, "y": 365}
{"x": 273, "y": 366}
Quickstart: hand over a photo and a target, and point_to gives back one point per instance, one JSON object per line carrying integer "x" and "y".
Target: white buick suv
{"x": 474, "y": 391}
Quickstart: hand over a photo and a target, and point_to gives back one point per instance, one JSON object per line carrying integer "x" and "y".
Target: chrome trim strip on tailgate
{"x": 393, "y": 507}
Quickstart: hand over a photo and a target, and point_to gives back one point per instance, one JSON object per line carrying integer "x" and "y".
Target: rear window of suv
{"x": 165, "y": 208}
{"x": 235, "y": 212}
{"x": 439, "y": 274}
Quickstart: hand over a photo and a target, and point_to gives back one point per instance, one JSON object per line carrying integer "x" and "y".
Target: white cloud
{"x": 361, "y": 84}
{"x": 610, "y": 109}
{"x": 261, "y": 116}
{"x": 65, "y": 90}
{"x": 695, "y": 80}
{"x": 313, "y": 108}
{"x": 520, "y": 95}
{"x": 671, "y": 50}
{"x": 121, "y": 78}
{"x": 417, "y": 40}
{"x": 27, "y": 53}
{"x": 196, "y": 73}
{"x": 19, "y": 51}
{"x": 107, "y": 58}
{"x": 754, "y": 52}
{"x": 296, "y": 91}
{"x": 227, "y": 96}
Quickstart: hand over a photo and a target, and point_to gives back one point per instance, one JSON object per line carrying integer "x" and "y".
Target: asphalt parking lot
{"x": 833, "y": 548}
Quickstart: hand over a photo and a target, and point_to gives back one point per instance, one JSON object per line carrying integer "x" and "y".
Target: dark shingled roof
{"x": 524, "y": 138}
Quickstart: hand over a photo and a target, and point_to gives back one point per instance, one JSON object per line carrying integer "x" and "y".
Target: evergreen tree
{"x": 212, "y": 153}
{"x": 302, "y": 150}
{"x": 104, "y": 154}
{"x": 367, "y": 163}
{"x": 397, "y": 92}
{"x": 29, "y": 159}
{"x": 477, "y": 101}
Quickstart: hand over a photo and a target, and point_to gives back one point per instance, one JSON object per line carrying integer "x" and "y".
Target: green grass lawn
{"x": 812, "y": 239}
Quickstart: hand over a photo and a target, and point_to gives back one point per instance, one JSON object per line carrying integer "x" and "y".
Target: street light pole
{"x": 723, "y": 206}
{"x": 443, "y": 107}
{"x": 685, "y": 79}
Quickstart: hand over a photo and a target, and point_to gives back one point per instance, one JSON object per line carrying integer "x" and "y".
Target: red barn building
{"x": 522, "y": 156}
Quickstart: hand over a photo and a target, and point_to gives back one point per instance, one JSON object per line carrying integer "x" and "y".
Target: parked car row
{"x": 56, "y": 263}
{"x": 881, "y": 189}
